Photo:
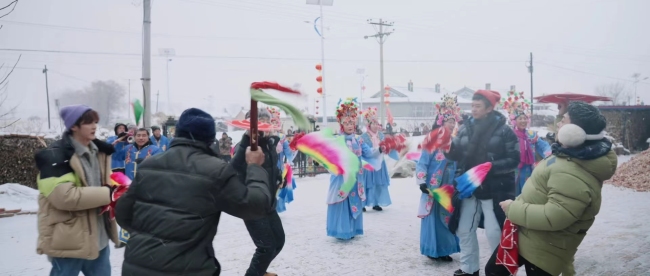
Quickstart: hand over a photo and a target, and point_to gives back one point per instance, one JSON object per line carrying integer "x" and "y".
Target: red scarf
{"x": 508, "y": 251}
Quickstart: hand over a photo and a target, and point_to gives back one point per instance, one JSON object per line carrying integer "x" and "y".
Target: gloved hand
{"x": 424, "y": 188}
{"x": 116, "y": 191}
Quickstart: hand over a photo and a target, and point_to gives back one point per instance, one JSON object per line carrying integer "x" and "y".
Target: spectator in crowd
{"x": 158, "y": 139}
{"x": 225, "y": 144}
{"x": 484, "y": 138}
{"x": 73, "y": 171}
{"x": 119, "y": 141}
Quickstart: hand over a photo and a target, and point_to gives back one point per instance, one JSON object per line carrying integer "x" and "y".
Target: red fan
{"x": 439, "y": 138}
{"x": 246, "y": 124}
{"x": 295, "y": 139}
{"x": 396, "y": 142}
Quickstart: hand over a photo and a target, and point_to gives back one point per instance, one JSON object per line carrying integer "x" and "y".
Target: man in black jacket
{"x": 267, "y": 233}
{"x": 173, "y": 206}
{"x": 483, "y": 138}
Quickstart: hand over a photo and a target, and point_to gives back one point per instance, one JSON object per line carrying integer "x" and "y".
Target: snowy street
{"x": 617, "y": 244}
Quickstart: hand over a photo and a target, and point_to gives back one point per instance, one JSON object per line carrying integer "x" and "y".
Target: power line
{"x": 587, "y": 73}
{"x": 255, "y": 57}
{"x": 133, "y": 33}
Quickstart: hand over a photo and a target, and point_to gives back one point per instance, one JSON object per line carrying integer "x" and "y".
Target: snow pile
{"x": 16, "y": 196}
{"x": 634, "y": 174}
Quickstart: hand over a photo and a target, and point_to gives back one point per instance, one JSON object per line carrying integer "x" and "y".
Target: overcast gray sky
{"x": 224, "y": 45}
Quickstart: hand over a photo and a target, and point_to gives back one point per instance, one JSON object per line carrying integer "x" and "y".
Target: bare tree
{"x": 105, "y": 97}
{"x": 34, "y": 125}
{"x": 5, "y": 110}
{"x": 617, "y": 91}
{"x": 159, "y": 118}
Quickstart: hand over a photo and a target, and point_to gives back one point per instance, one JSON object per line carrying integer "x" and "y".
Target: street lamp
{"x": 322, "y": 3}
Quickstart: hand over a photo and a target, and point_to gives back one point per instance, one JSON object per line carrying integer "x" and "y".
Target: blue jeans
{"x": 71, "y": 266}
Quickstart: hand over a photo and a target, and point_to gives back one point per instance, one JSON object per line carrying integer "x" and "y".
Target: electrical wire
{"x": 257, "y": 57}
{"x": 587, "y": 73}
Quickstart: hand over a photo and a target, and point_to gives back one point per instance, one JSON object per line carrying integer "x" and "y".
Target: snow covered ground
{"x": 617, "y": 244}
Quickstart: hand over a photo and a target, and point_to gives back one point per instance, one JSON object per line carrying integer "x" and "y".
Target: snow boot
{"x": 460, "y": 272}
{"x": 377, "y": 208}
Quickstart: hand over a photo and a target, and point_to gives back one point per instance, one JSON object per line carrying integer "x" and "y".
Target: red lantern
{"x": 319, "y": 79}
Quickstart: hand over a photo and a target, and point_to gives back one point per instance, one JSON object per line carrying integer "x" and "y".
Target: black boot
{"x": 364, "y": 209}
{"x": 377, "y": 208}
{"x": 460, "y": 272}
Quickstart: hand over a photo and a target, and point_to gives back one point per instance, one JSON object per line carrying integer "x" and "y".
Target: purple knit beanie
{"x": 71, "y": 114}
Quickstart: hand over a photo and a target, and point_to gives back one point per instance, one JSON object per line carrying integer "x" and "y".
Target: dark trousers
{"x": 71, "y": 266}
{"x": 268, "y": 235}
{"x": 493, "y": 269}
{"x": 226, "y": 157}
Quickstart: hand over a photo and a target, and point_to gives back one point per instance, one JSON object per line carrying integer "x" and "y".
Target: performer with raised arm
{"x": 434, "y": 170}
{"x": 376, "y": 182}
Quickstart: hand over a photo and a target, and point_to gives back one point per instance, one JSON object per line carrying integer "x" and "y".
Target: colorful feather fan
{"x": 413, "y": 156}
{"x": 367, "y": 166}
{"x": 296, "y": 137}
{"x": 287, "y": 175}
{"x": 443, "y": 196}
{"x": 467, "y": 183}
{"x": 257, "y": 94}
{"x": 393, "y": 143}
{"x": 333, "y": 153}
{"x": 121, "y": 182}
{"x": 440, "y": 138}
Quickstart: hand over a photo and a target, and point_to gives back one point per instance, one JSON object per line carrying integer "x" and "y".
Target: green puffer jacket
{"x": 559, "y": 203}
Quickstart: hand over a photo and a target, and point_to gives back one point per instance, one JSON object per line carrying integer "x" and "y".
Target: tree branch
{"x": 10, "y": 124}
{"x": 7, "y": 6}
{"x": 12, "y": 70}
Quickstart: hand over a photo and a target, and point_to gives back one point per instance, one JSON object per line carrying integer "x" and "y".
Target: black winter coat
{"x": 267, "y": 144}
{"x": 173, "y": 206}
{"x": 502, "y": 151}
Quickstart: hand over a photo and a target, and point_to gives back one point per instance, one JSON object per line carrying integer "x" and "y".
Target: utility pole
{"x": 128, "y": 101}
{"x": 146, "y": 62}
{"x": 169, "y": 102}
{"x": 157, "y": 98}
{"x": 320, "y": 4}
{"x": 381, "y": 37}
{"x": 637, "y": 79}
{"x": 530, "y": 70}
{"x": 47, "y": 94}
{"x": 362, "y": 74}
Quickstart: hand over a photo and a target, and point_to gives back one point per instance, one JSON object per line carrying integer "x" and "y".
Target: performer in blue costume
{"x": 344, "y": 214}
{"x": 432, "y": 171}
{"x": 158, "y": 139}
{"x": 285, "y": 157}
{"x": 529, "y": 142}
{"x": 132, "y": 155}
{"x": 139, "y": 150}
{"x": 119, "y": 141}
{"x": 376, "y": 182}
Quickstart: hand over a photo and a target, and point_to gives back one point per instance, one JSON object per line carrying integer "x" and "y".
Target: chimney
{"x": 512, "y": 88}
{"x": 437, "y": 88}
{"x": 488, "y": 86}
{"x": 410, "y": 86}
